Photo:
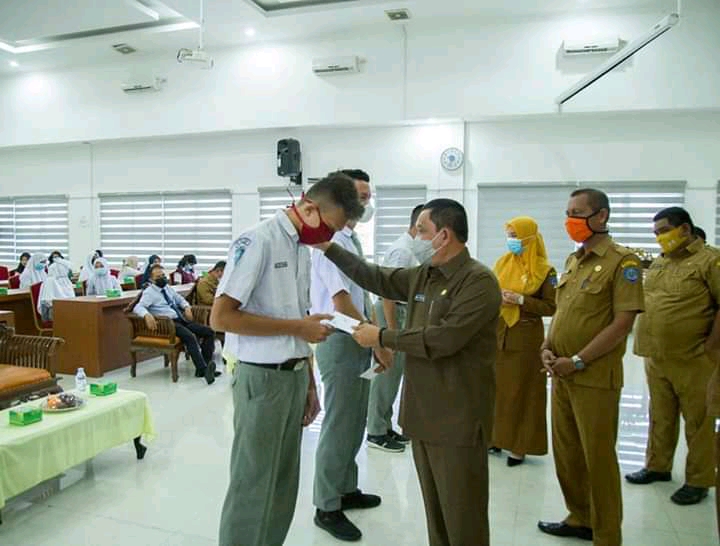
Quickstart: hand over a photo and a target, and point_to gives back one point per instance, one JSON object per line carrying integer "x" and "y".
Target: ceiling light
{"x": 14, "y": 64}
{"x": 249, "y": 32}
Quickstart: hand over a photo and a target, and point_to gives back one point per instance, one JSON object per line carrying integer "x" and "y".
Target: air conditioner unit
{"x": 144, "y": 87}
{"x": 335, "y": 65}
{"x": 590, "y": 47}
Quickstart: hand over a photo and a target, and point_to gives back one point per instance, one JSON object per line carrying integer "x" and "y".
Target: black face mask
{"x": 161, "y": 282}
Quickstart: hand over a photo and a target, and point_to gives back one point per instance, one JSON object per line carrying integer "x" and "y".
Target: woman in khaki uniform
{"x": 528, "y": 287}
{"x": 713, "y": 408}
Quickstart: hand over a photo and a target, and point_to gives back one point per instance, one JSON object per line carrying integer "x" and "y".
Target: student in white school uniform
{"x": 101, "y": 280}
{"x": 87, "y": 270}
{"x": 34, "y": 271}
{"x": 56, "y": 285}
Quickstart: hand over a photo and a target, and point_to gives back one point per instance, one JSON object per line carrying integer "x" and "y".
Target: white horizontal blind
{"x": 167, "y": 224}
{"x": 274, "y": 198}
{"x": 34, "y": 225}
{"x": 546, "y": 203}
{"x": 392, "y": 218}
{"x": 633, "y": 206}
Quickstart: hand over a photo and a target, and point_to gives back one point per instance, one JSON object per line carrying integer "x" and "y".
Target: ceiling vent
{"x": 398, "y": 14}
{"x": 124, "y": 49}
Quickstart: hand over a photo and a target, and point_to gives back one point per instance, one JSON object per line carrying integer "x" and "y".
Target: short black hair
{"x": 415, "y": 213}
{"x": 597, "y": 199}
{"x": 337, "y": 189}
{"x": 99, "y": 253}
{"x": 700, "y": 232}
{"x": 54, "y": 253}
{"x": 220, "y": 265}
{"x": 187, "y": 259}
{"x": 357, "y": 174}
{"x": 447, "y": 213}
{"x": 676, "y": 216}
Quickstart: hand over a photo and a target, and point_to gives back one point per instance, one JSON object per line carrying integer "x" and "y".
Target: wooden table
{"x": 18, "y": 301}
{"x": 7, "y": 318}
{"x": 97, "y": 335}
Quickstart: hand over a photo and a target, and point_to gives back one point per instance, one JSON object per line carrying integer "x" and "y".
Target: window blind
{"x": 34, "y": 225}
{"x": 274, "y": 198}
{"x": 168, "y": 224}
{"x": 394, "y": 204}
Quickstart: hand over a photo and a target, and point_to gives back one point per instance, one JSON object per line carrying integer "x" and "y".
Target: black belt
{"x": 288, "y": 365}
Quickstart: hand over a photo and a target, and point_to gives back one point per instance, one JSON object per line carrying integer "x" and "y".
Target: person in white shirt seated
{"x": 57, "y": 285}
{"x": 34, "y": 271}
{"x": 161, "y": 300}
{"x": 101, "y": 280}
{"x": 130, "y": 267}
{"x": 87, "y": 270}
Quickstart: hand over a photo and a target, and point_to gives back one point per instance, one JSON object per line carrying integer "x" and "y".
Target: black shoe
{"x": 688, "y": 494}
{"x": 337, "y": 525}
{"x": 562, "y": 529}
{"x": 385, "y": 443}
{"x": 494, "y": 450}
{"x": 358, "y": 499}
{"x": 645, "y": 476}
{"x": 512, "y": 461}
{"x": 202, "y": 371}
{"x": 398, "y": 437}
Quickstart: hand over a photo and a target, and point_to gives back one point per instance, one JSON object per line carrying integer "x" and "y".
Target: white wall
{"x": 464, "y": 70}
{"x": 577, "y": 148}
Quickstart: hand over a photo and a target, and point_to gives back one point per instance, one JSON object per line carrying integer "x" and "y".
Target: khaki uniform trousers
{"x": 265, "y": 458}
{"x": 454, "y": 483}
{"x": 679, "y": 388}
{"x": 584, "y": 434}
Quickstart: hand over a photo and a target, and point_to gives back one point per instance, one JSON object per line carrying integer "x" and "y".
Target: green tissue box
{"x": 3, "y": 291}
{"x": 25, "y": 416}
{"x": 113, "y": 293}
{"x": 102, "y": 389}
{"x": 129, "y": 280}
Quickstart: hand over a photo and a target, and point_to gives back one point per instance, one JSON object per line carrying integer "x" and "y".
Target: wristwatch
{"x": 521, "y": 300}
{"x": 579, "y": 362}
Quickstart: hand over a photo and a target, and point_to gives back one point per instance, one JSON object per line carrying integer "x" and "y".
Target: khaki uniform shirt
{"x": 206, "y": 288}
{"x": 681, "y": 301}
{"x": 594, "y": 287}
{"x": 450, "y": 343}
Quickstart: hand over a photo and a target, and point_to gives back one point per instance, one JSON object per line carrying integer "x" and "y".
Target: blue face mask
{"x": 514, "y": 245}
{"x": 39, "y": 267}
{"x": 100, "y": 271}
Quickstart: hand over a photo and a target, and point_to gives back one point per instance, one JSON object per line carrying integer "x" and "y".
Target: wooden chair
{"x": 162, "y": 340}
{"x": 4, "y": 273}
{"x": 44, "y": 327}
{"x": 115, "y": 273}
{"x": 201, "y": 313}
{"x": 14, "y": 282}
{"x": 27, "y": 366}
{"x": 128, "y": 286}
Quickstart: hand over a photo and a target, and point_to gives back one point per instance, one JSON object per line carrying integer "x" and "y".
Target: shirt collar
{"x": 282, "y": 219}
{"x": 696, "y": 246}
{"x": 347, "y": 231}
{"x": 600, "y": 248}
{"x": 453, "y": 266}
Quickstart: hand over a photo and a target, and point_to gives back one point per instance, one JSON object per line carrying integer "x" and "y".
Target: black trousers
{"x": 187, "y": 331}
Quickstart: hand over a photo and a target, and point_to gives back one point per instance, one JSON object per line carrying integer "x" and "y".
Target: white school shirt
{"x": 268, "y": 272}
{"x": 328, "y": 280}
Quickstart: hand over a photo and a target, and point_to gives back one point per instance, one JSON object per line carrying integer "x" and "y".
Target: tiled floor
{"x": 173, "y": 497}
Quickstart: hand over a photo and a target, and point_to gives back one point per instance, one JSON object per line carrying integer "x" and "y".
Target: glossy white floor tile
{"x": 174, "y": 496}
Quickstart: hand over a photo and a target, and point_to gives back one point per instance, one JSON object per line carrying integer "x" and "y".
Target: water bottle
{"x": 81, "y": 381}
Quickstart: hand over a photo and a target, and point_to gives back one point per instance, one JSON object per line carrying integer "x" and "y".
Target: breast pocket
{"x": 590, "y": 295}
{"x": 439, "y": 308}
{"x": 686, "y": 283}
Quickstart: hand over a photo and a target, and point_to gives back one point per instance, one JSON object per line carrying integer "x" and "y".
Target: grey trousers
{"x": 265, "y": 457}
{"x": 384, "y": 387}
{"x": 340, "y": 361}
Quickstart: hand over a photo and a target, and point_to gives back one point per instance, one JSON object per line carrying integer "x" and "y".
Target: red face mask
{"x": 310, "y": 235}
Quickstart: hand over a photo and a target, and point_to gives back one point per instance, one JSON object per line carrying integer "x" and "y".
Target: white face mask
{"x": 367, "y": 214}
{"x": 423, "y": 249}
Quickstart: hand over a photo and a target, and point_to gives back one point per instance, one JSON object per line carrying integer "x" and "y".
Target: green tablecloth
{"x": 34, "y": 453}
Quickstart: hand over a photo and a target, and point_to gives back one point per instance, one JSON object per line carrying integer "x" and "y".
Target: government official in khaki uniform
{"x": 449, "y": 389}
{"x": 598, "y": 296}
{"x": 207, "y": 285}
{"x": 528, "y": 285}
{"x": 680, "y": 324}
{"x": 713, "y": 404}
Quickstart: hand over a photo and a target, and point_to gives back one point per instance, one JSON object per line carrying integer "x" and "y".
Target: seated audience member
{"x": 207, "y": 285}
{"x": 87, "y": 270}
{"x": 54, "y": 255}
{"x": 99, "y": 253}
{"x": 56, "y": 285}
{"x": 700, "y": 232}
{"x": 152, "y": 260}
{"x": 101, "y": 280}
{"x": 34, "y": 271}
{"x": 185, "y": 272}
{"x": 130, "y": 267}
{"x": 161, "y": 300}
{"x": 24, "y": 257}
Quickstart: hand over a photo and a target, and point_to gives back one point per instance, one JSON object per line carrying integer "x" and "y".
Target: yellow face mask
{"x": 671, "y": 240}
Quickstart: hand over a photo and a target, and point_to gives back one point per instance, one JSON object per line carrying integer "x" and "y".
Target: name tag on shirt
{"x": 281, "y": 265}
{"x": 420, "y": 298}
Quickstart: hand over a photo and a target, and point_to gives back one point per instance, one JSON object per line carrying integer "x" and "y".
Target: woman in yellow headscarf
{"x": 528, "y": 284}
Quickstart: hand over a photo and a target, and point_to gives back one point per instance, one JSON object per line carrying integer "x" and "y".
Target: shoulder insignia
{"x": 631, "y": 271}
{"x": 240, "y": 246}
{"x": 553, "y": 278}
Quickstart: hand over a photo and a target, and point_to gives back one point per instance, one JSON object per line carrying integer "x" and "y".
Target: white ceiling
{"x": 29, "y": 21}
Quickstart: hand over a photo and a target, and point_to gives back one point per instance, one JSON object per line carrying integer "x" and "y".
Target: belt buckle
{"x": 299, "y": 365}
